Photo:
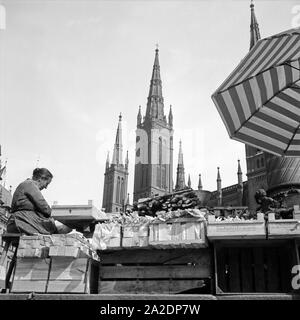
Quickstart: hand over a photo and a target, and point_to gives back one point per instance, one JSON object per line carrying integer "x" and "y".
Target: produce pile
{"x": 180, "y": 200}
{"x": 233, "y": 214}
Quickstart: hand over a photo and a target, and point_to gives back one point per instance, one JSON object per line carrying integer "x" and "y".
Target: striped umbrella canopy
{"x": 260, "y": 100}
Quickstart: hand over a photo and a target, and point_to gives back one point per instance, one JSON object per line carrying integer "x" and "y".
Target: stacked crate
{"x": 236, "y": 229}
{"x": 33, "y": 265}
{"x": 178, "y": 233}
{"x": 284, "y": 228}
{"x": 135, "y": 235}
{"x": 70, "y": 264}
{"x": 56, "y": 264}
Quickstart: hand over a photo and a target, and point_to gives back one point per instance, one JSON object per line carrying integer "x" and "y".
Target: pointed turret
{"x": 240, "y": 174}
{"x": 155, "y": 103}
{"x": 126, "y": 161}
{"x": 127, "y": 199}
{"x": 189, "y": 182}
{"x": 219, "y": 188}
{"x": 107, "y": 161}
{"x": 170, "y": 117}
{"x": 117, "y": 154}
{"x": 180, "y": 178}
{"x": 254, "y": 28}
{"x": 139, "y": 117}
{"x": 200, "y": 183}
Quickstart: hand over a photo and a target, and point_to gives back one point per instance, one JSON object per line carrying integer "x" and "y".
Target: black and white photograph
{"x": 149, "y": 154}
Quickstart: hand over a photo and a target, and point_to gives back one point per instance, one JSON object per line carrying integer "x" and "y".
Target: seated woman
{"x": 30, "y": 212}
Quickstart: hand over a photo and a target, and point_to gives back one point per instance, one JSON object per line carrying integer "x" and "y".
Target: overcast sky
{"x": 68, "y": 68}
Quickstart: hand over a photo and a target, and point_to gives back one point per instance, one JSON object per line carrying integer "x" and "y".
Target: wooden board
{"x": 221, "y": 270}
{"x": 63, "y": 286}
{"x": 153, "y": 272}
{"x": 29, "y": 286}
{"x": 234, "y": 270}
{"x": 69, "y": 275}
{"x": 31, "y": 269}
{"x": 246, "y": 263}
{"x": 178, "y": 233}
{"x": 68, "y": 268}
{"x": 259, "y": 270}
{"x": 31, "y": 275}
{"x": 148, "y": 286}
{"x": 241, "y": 229}
{"x": 157, "y": 256}
{"x": 283, "y": 228}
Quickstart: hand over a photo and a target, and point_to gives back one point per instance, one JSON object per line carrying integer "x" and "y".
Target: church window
{"x": 122, "y": 191}
{"x": 257, "y": 163}
{"x": 160, "y": 151}
{"x": 262, "y": 162}
{"x": 118, "y": 191}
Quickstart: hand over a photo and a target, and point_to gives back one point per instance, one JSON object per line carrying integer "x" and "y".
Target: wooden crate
{"x": 69, "y": 275}
{"x": 178, "y": 233}
{"x": 70, "y": 245}
{"x": 135, "y": 236}
{"x": 263, "y": 266}
{"x": 107, "y": 236}
{"x": 241, "y": 229}
{"x": 155, "y": 271}
{"x": 34, "y": 246}
{"x": 31, "y": 275}
{"x": 283, "y": 228}
{"x": 7, "y": 264}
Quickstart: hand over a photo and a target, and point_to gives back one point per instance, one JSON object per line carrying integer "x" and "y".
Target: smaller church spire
{"x": 139, "y": 117}
{"x": 219, "y": 188}
{"x": 126, "y": 161}
{"x": 200, "y": 183}
{"x": 127, "y": 199}
{"x": 180, "y": 178}
{"x": 239, "y": 173}
{"x": 189, "y": 182}
{"x": 170, "y": 117}
{"x": 107, "y": 161}
{"x": 254, "y": 28}
{"x": 117, "y": 154}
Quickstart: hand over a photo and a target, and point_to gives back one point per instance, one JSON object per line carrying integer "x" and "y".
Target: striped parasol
{"x": 260, "y": 100}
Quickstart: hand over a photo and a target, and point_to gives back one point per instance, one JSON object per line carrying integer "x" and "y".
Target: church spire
{"x": 180, "y": 178}
{"x": 107, "y": 161}
{"x": 139, "y": 117}
{"x": 239, "y": 173}
{"x": 170, "y": 117}
{"x": 219, "y": 188}
{"x": 200, "y": 183}
{"x": 155, "y": 103}
{"x": 254, "y": 29}
{"x": 126, "y": 161}
{"x": 117, "y": 154}
{"x": 189, "y": 181}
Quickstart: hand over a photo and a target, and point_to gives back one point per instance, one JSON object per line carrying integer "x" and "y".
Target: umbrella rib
{"x": 292, "y": 137}
{"x": 287, "y": 64}
{"x": 271, "y": 67}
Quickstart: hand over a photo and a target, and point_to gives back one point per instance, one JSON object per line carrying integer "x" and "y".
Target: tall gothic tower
{"x": 153, "y": 174}
{"x": 116, "y": 177}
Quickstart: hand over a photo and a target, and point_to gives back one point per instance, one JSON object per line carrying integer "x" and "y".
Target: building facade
{"x": 264, "y": 170}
